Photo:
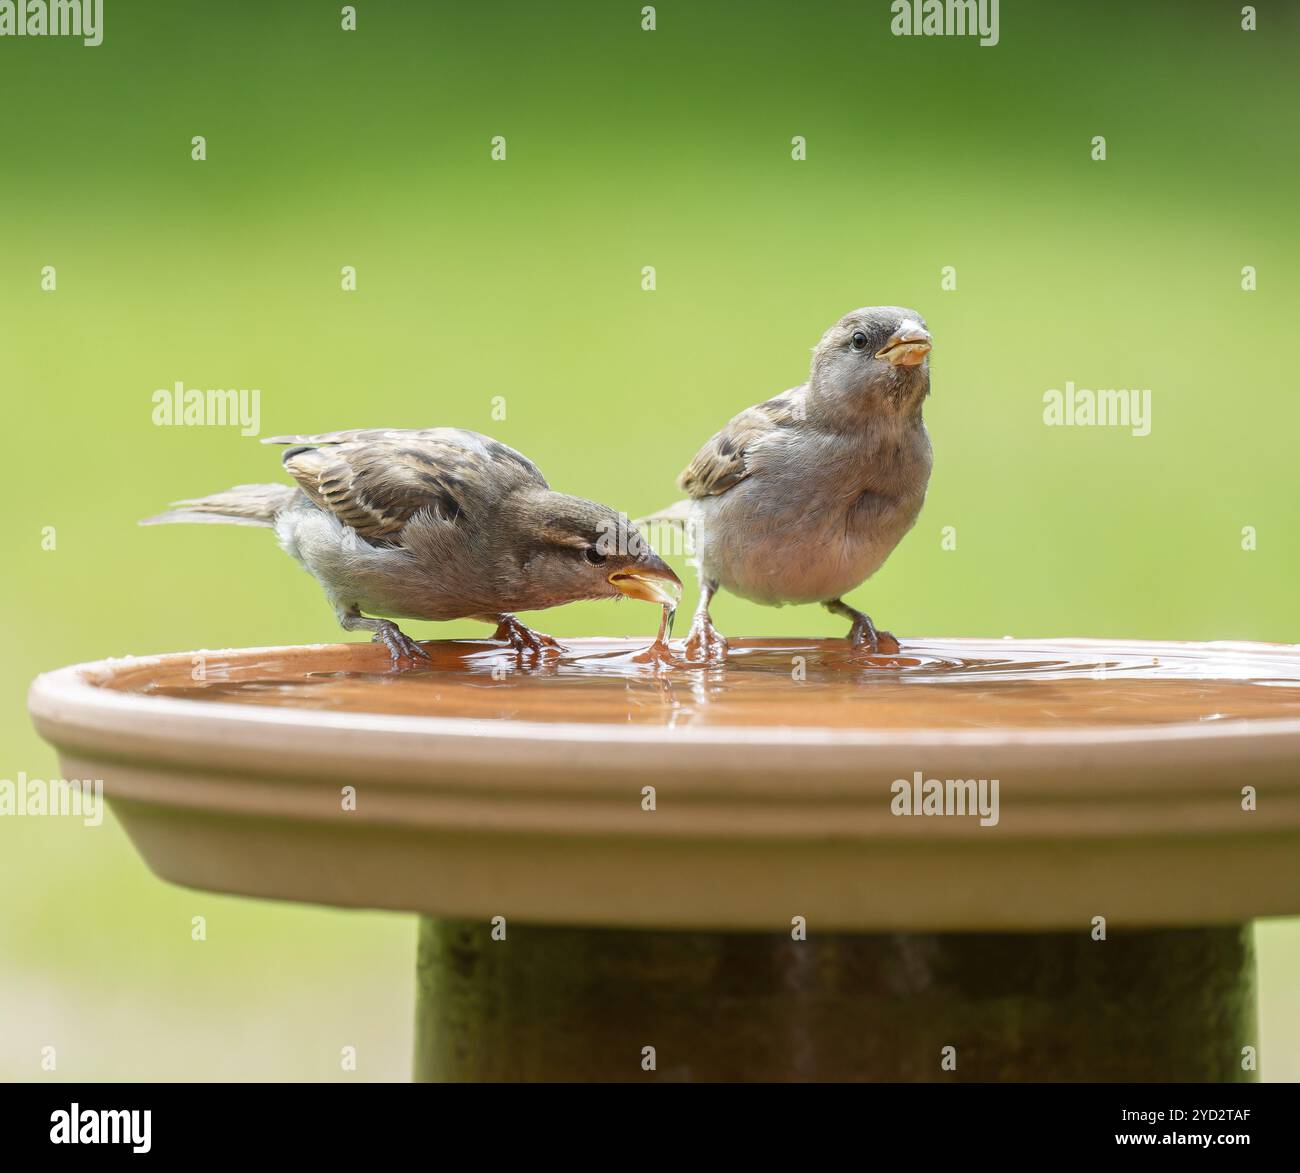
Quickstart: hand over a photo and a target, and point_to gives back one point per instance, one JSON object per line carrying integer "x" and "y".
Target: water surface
{"x": 964, "y": 684}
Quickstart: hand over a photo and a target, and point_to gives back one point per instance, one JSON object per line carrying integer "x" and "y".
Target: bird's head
{"x": 584, "y": 550}
{"x": 879, "y": 351}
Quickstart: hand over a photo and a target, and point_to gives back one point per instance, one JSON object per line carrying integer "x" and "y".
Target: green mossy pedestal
{"x": 584, "y": 1004}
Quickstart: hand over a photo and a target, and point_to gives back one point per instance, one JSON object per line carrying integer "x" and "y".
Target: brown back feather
{"x": 722, "y": 462}
{"x": 376, "y": 480}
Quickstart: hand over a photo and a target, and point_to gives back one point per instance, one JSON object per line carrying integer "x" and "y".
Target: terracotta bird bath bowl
{"x": 973, "y": 860}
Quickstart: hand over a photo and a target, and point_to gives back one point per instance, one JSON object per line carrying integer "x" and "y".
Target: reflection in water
{"x": 817, "y": 683}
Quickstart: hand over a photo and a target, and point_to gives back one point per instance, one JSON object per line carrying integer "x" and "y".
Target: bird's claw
{"x": 525, "y": 640}
{"x": 657, "y": 655}
{"x": 866, "y": 636}
{"x": 400, "y": 645}
{"x": 704, "y": 643}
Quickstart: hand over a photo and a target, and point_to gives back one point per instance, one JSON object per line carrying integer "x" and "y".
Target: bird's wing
{"x": 725, "y": 460}
{"x": 375, "y": 480}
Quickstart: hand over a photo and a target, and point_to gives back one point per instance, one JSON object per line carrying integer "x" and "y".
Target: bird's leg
{"x": 863, "y": 633}
{"x": 704, "y": 641}
{"x": 383, "y": 631}
{"x": 524, "y": 639}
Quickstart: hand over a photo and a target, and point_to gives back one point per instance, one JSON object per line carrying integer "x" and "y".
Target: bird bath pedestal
{"x": 977, "y": 860}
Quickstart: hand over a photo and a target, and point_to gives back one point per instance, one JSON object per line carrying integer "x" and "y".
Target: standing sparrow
{"x": 438, "y": 523}
{"x": 802, "y": 498}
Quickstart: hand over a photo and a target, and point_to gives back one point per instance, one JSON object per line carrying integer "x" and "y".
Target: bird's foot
{"x": 704, "y": 642}
{"x": 865, "y": 636}
{"x": 657, "y": 655}
{"x": 400, "y": 645}
{"x": 524, "y": 639}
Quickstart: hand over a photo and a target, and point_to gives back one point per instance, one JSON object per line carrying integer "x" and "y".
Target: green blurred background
{"x": 522, "y": 279}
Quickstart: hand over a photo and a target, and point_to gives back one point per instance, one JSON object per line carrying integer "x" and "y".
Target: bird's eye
{"x": 859, "y": 341}
{"x": 594, "y": 556}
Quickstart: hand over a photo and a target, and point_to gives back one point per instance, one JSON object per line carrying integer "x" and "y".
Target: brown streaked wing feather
{"x": 375, "y": 480}
{"x": 721, "y": 463}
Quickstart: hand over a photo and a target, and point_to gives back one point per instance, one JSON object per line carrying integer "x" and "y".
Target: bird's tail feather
{"x": 242, "y": 505}
{"x": 678, "y": 514}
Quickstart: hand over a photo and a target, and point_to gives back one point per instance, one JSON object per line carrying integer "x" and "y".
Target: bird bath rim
{"x": 84, "y": 687}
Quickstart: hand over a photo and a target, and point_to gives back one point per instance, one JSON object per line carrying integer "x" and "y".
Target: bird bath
{"x": 802, "y": 865}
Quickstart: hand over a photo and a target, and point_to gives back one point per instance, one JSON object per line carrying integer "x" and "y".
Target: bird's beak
{"x": 907, "y": 346}
{"x": 652, "y": 579}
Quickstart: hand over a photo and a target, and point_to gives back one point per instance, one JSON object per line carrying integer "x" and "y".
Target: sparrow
{"x": 802, "y": 498}
{"x": 437, "y": 524}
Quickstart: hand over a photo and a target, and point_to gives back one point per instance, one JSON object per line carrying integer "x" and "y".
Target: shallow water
{"x": 964, "y": 684}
